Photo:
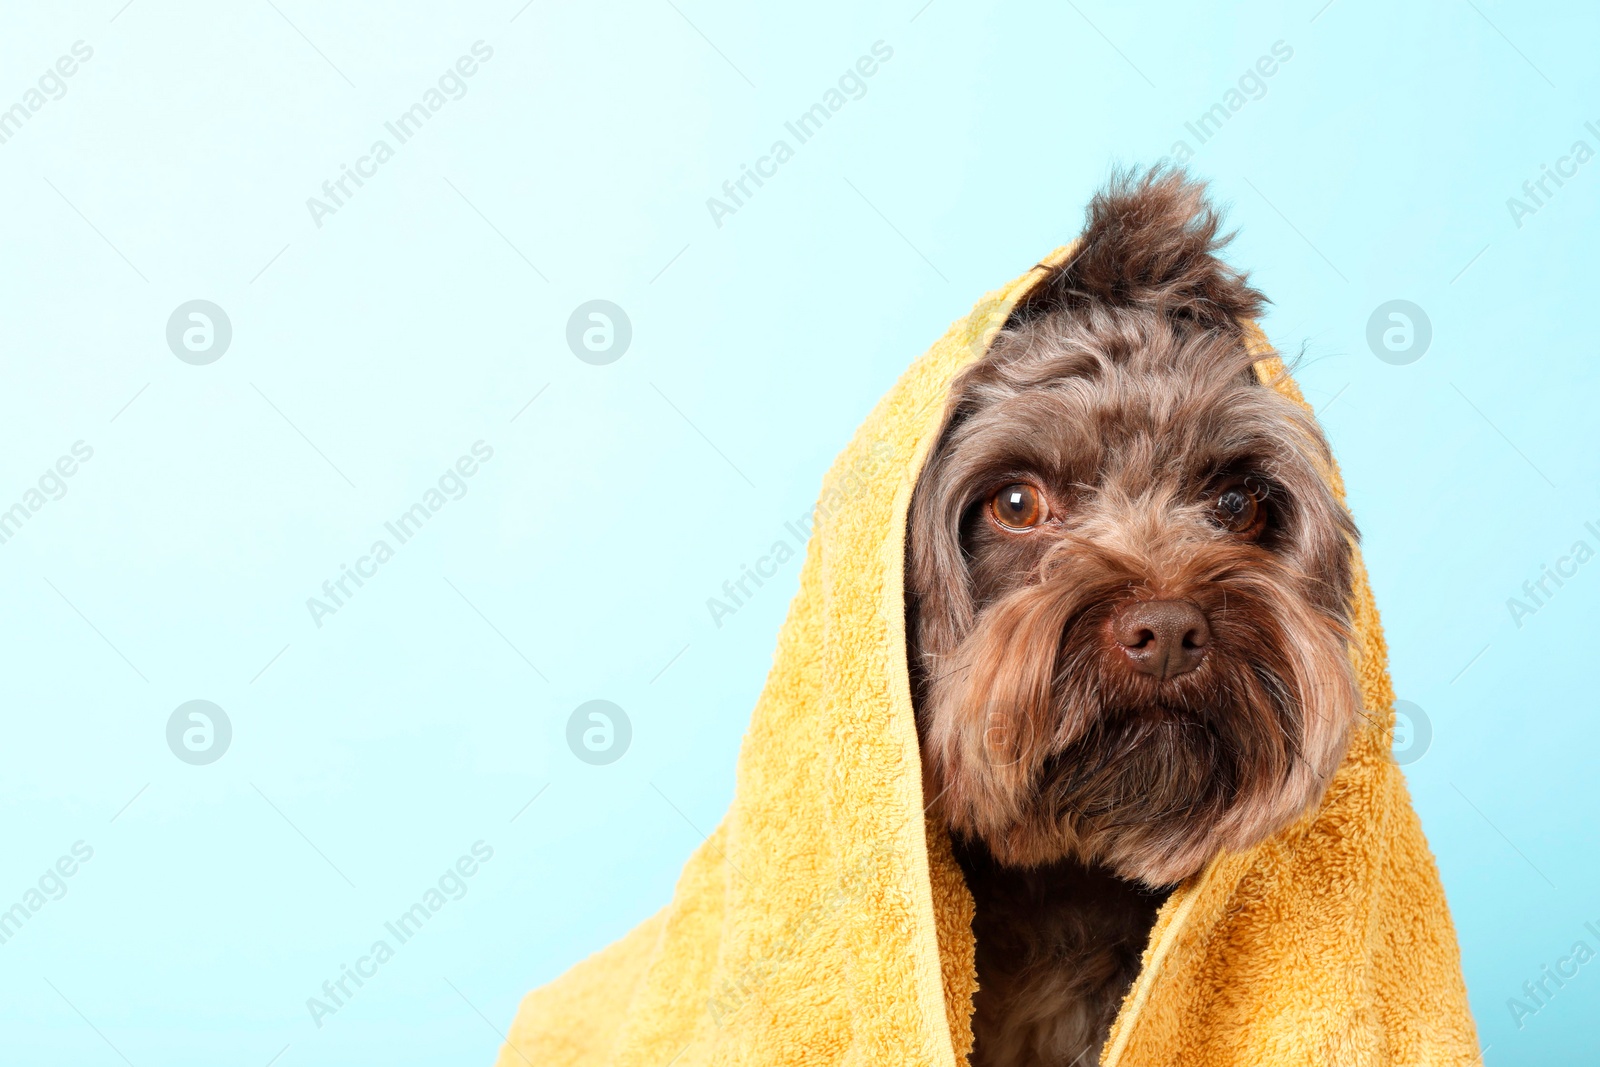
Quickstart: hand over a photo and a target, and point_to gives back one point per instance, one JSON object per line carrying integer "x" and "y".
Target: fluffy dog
{"x": 1128, "y": 587}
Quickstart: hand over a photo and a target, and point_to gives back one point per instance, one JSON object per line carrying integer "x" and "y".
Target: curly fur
{"x": 1123, "y": 388}
{"x": 1150, "y": 241}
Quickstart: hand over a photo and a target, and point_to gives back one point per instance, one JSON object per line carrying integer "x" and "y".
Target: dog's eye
{"x": 1240, "y": 508}
{"x": 1019, "y": 506}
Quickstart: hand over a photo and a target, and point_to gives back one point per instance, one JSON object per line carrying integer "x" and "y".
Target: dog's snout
{"x": 1162, "y": 638}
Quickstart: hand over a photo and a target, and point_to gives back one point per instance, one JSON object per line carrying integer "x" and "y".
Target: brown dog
{"x": 1129, "y": 606}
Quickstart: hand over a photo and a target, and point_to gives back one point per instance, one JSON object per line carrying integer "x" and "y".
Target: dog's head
{"x": 1128, "y": 577}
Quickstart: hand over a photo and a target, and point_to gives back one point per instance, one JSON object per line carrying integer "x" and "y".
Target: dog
{"x": 1128, "y": 608}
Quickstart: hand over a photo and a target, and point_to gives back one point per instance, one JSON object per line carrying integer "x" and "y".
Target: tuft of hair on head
{"x": 1149, "y": 242}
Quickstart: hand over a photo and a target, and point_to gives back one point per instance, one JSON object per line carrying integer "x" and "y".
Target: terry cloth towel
{"x": 825, "y": 921}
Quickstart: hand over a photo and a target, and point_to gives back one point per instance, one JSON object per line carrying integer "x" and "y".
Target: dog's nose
{"x": 1162, "y": 638}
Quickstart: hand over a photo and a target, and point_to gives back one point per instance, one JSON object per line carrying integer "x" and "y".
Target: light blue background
{"x": 372, "y": 752}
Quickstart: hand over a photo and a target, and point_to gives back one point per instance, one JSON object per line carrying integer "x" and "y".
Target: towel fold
{"x": 825, "y": 921}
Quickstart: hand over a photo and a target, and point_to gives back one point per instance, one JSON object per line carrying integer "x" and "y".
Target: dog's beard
{"x": 1123, "y": 394}
{"x": 1043, "y": 745}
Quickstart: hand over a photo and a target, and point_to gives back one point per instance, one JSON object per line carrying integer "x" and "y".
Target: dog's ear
{"x": 1150, "y": 241}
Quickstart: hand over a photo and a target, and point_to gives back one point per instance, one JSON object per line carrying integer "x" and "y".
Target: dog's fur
{"x": 1078, "y": 786}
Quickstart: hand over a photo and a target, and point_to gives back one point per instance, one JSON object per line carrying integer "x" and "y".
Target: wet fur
{"x": 1078, "y": 789}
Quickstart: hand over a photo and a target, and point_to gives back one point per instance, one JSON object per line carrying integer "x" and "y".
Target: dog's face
{"x": 1128, "y": 576}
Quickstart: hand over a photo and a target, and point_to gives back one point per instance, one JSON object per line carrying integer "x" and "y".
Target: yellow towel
{"x": 826, "y": 922}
